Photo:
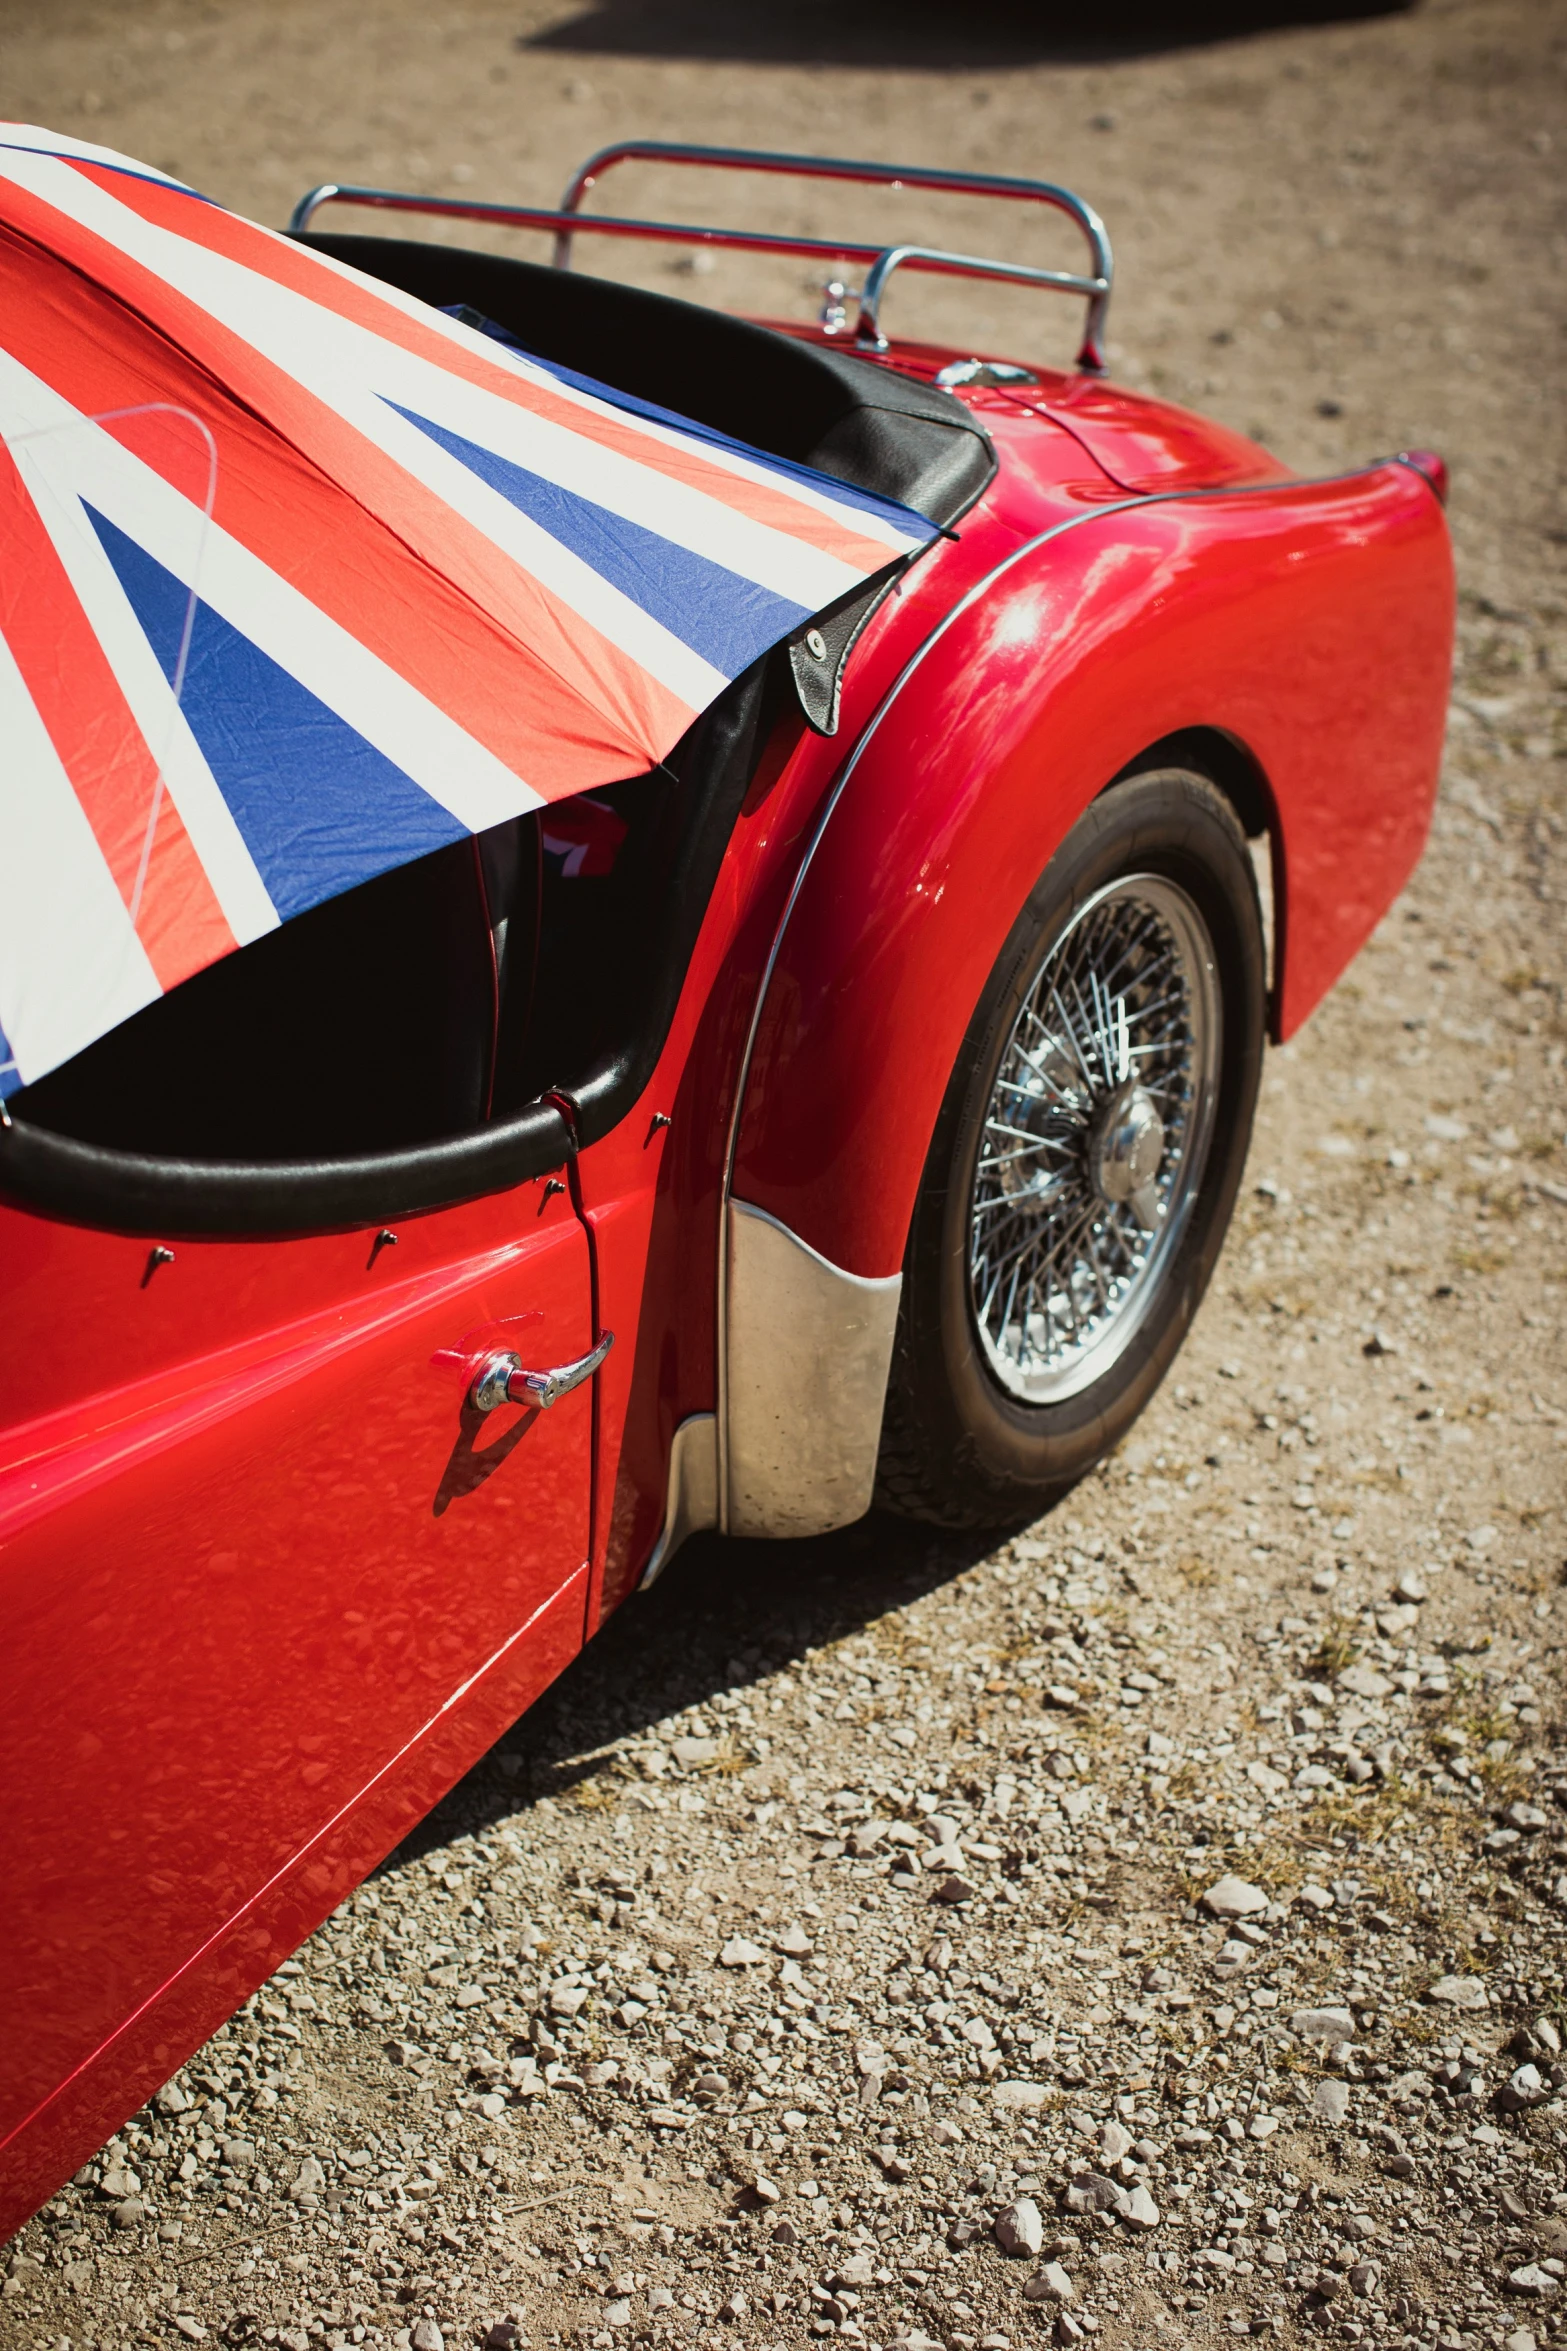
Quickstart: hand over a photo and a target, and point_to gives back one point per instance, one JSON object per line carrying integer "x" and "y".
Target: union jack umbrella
{"x": 301, "y": 579}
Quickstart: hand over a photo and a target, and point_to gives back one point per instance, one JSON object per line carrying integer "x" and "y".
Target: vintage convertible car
{"x": 831, "y": 1085}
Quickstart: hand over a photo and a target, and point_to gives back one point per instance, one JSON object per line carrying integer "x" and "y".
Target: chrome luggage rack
{"x": 569, "y": 221}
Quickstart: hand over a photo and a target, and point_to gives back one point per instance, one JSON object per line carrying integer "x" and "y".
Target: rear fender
{"x": 1308, "y": 623}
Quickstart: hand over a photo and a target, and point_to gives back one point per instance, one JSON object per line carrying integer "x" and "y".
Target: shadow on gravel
{"x": 723, "y": 1615}
{"x": 929, "y": 33}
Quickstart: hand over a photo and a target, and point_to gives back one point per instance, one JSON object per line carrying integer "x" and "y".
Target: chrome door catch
{"x": 503, "y": 1380}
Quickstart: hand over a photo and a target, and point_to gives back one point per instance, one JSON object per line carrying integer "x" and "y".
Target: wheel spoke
{"x": 1057, "y": 1269}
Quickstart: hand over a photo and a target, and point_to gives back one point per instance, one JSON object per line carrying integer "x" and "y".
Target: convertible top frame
{"x": 569, "y": 220}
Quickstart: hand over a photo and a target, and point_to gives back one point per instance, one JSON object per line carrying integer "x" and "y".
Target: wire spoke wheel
{"x": 1095, "y": 1138}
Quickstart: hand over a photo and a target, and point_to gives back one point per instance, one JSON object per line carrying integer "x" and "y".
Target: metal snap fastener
{"x": 816, "y": 644}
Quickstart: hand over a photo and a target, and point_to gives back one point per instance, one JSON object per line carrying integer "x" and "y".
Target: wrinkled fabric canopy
{"x": 301, "y": 579}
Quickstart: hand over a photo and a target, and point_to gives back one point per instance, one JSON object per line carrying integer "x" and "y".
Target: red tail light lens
{"x": 1427, "y": 462}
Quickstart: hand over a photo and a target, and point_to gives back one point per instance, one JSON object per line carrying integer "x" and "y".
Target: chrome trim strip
{"x": 691, "y": 1504}
{"x": 809, "y": 1349}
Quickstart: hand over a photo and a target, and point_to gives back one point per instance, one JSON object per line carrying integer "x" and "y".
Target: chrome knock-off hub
{"x": 1125, "y": 1147}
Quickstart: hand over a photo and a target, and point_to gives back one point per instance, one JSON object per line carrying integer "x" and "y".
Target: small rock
{"x": 1524, "y": 2088}
{"x": 795, "y": 1943}
{"x": 953, "y": 1890}
{"x": 1363, "y": 1681}
{"x": 858, "y": 2273}
{"x": 171, "y": 2099}
{"x": 786, "y": 2233}
{"x": 1526, "y": 1817}
{"x": 1315, "y": 1897}
{"x": 504, "y": 2335}
{"x": 1050, "y": 2284}
{"x": 1232, "y": 1897}
{"x": 1330, "y": 2103}
{"x": 1521, "y": 2339}
{"x": 118, "y": 2182}
{"x": 1139, "y": 2210}
{"x": 1090, "y": 2192}
{"x": 1363, "y": 2277}
{"x": 730, "y": 2311}
{"x": 1024, "y": 2096}
{"x": 1019, "y": 2230}
{"x": 737, "y": 1952}
{"x": 1323, "y": 2024}
{"x": 691, "y": 1754}
{"x": 617, "y": 2313}
{"x": 1532, "y": 2279}
{"x": 427, "y": 2336}
{"x": 1411, "y": 1589}
{"x": 765, "y": 2191}
{"x": 127, "y": 2215}
{"x": 1459, "y": 1991}
{"x": 1114, "y": 2141}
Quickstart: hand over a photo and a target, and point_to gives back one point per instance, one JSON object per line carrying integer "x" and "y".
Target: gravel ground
{"x": 1150, "y": 1930}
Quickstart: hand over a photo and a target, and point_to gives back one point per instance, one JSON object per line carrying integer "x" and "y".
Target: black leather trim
{"x": 123, "y": 1192}
{"x": 127, "y": 1192}
{"x": 818, "y": 677}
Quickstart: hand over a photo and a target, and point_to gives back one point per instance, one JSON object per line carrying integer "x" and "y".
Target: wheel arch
{"x": 1293, "y": 646}
{"x": 1234, "y": 769}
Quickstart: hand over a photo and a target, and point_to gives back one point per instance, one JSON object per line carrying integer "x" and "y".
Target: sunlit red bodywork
{"x": 267, "y": 1586}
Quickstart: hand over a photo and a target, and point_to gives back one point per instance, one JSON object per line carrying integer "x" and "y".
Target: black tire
{"x": 957, "y": 1448}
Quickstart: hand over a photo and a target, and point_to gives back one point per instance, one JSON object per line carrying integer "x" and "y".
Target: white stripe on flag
{"x": 71, "y": 964}
{"x": 32, "y": 140}
{"x": 64, "y": 457}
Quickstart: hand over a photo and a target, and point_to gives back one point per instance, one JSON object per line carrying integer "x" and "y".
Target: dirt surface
{"x": 847, "y": 1901}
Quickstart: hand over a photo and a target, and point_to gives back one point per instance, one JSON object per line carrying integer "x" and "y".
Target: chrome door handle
{"x": 503, "y": 1380}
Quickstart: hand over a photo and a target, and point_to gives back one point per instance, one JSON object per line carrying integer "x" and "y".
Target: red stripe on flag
{"x": 113, "y": 773}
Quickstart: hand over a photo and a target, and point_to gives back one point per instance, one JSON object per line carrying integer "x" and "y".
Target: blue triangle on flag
{"x": 320, "y": 809}
{"x": 726, "y": 618}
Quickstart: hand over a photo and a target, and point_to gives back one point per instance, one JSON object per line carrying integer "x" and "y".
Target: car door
{"x": 268, "y": 1583}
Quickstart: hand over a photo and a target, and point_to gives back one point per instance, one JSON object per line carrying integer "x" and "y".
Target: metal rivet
{"x": 816, "y": 644}
{"x": 156, "y": 1256}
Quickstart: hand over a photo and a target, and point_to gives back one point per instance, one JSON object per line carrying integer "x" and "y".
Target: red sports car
{"x": 828, "y": 1085}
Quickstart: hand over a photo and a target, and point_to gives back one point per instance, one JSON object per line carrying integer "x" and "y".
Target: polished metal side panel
{"x": 692, "y": 1503}
{"x": 809, "y": 1348}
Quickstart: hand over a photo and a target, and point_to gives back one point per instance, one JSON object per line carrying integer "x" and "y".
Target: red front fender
{"x": 1310, "y": 623}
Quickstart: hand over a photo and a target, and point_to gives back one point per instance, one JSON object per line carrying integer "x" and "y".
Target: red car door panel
{"x": 236, "y": 1593}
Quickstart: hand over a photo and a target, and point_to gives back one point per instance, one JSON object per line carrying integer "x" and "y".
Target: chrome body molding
{"x": 691, "y": 1504}
{"x": 807, "y": 1352}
